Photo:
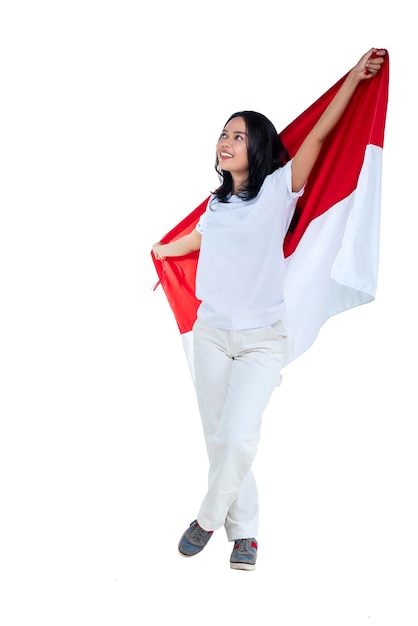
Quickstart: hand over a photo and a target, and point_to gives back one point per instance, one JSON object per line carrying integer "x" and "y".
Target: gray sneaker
{"x": 194, "y": 539}
{"x": 244, "y": 554}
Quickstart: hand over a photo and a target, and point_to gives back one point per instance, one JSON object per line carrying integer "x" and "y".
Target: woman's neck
{"x": 239, "y": 185}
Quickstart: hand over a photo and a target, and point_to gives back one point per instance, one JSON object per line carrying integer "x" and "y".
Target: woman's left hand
{"x": 370, "y": 63}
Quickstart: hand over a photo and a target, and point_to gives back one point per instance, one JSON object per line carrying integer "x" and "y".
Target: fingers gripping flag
{"x": 332, "y": 246}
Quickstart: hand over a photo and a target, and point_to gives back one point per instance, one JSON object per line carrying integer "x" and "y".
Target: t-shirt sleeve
{"x": 281, "y": 181}
{"x": 200, "y": 226}
{"x": 288, "y": 174}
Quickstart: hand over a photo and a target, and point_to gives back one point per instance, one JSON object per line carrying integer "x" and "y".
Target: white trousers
{"x": 235, "y": 375}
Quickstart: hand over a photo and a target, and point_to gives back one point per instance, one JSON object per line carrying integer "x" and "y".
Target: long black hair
{"x": 266, "y": 153}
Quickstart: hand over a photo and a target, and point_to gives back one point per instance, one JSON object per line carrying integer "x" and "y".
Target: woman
{"x": 239, "y": 338}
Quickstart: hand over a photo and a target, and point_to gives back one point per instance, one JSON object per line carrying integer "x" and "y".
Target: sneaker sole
{"x": 249, "y": 567}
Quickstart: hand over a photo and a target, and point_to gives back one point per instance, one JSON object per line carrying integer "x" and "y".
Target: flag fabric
{"x": 332, "y": 246}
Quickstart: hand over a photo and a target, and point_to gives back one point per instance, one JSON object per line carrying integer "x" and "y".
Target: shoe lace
{"x": 198, "y": 533}
{"x": 244, "y": 545}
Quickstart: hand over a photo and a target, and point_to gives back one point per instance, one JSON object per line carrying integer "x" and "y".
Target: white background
{"x": 109, "y": 116}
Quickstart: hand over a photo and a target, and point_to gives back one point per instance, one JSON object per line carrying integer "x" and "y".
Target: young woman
{"x": 239, "y": 338}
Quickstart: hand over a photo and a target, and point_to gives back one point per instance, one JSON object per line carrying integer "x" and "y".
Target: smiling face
{"x": 231, "y": 150}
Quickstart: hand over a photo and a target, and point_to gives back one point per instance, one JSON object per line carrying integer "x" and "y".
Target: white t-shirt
{"x": 241, "y": 266}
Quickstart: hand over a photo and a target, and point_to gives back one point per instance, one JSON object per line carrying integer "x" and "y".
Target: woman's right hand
{"x": 156, "y": 248}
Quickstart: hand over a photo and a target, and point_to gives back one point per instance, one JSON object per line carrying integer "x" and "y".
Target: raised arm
{"x": 180, "y": 247}
{"x": 304, "y": 159}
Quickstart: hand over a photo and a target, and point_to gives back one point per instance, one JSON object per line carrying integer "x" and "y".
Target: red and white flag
{"x": 332, "y": 247}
